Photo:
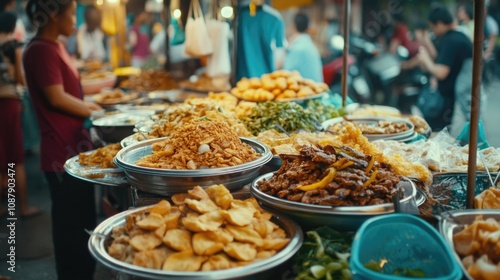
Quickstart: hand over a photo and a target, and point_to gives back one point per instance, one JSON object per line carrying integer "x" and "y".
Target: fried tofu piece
{"x": 162, "y": 207}
{"x": 143, "y": 242}
{"x": 172, "y": 219}
{"x": 198, "y": 193}
{"x": 205, "y": 245}
{"x": 178, "y": 239}
{"x": 151, "y": 258}
{"x": 245, "y": 234}
{"x": 240, "y": 213}
{"x": 274, "y": 244}
{"x": 201, "y": 206}
{"x": 241, "y": 251}
{"x": 151, "y": 221}
{"x": 210, "y": 221}
{"x": 178, "y": 198}
{"x": 220, "y": 195}
{"x": 217, "y": 262}
{"x": 183, "y": 261}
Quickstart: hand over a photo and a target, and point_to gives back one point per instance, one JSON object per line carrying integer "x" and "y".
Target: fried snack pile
{"x": 279, "y": 85}
{"x": 334, "y": 176}
{"x": 441, "y": 153}
{"x": 150, "y": 80}
{"x": 216, "y": 107}
{"x": 206, "y": 230}
{"x": 102, "y": 157}
{"x": 95, "y": 75}
{"x": 115, "y": 96}
{"x": 280, "y": 143}
{"x": 204, "y": 83}
{"x": 478, "y": 245}
{"x": 488, "y": 199}
{"x": 352, "y": 136}
{"x": 380, "y": 127}
{"x": 200, "y": 144}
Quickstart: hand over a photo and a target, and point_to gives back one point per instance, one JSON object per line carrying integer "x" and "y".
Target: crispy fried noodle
{"x": 200, "y": 144}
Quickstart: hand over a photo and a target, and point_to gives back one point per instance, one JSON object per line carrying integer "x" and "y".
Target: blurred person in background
{"x": 453, "y": 52}
{"x": 139, "y": 40}
{"x": 465, "y": 16}
{"x": 19, "y": 31}
{"x": 302, "y": 54}
{"x": 54, "y": 85}
{"x": 11, "y": 138}
{"x": 90, "y": 37}
{"x": 261, "y": 39}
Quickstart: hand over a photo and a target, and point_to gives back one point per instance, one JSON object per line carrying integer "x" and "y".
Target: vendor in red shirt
{"x": 55, "y": 89}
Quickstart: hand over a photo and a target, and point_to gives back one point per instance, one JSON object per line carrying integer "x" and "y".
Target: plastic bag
{"x": 219, "y": 63}
{"x": 197, "y": 41}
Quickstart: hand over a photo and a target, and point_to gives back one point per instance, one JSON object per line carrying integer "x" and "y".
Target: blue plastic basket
{"x": 401, "y": 241}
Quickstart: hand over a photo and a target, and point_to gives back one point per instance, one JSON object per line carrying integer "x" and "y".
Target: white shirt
{"x": 90, "y": 45}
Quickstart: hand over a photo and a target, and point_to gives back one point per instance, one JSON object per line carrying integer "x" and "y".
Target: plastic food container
{"x": 404, "y": 244}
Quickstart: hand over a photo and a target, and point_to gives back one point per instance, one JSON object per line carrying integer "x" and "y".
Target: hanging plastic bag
{"x": 219, "y": 63}
{"x": 197, "y": 42}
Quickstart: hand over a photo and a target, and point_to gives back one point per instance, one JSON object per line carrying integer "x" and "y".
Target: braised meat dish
{"x": 335, "y": 176}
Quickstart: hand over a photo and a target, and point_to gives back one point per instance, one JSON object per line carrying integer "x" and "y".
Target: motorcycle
{"x": 358, "y": 87}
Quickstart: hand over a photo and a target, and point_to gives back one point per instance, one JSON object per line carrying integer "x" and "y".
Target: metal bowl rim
{"x": 265, "y": 157}
{"x": 99, "y": 252}
{"x": 321, "y": 209}
{"x": 99, "y": 122}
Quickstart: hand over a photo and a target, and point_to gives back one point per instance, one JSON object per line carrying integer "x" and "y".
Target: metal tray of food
{"x": 99, "y": 241}
{"x": 170, "y": 181}
{"x": 113, "y": 177}
{"x": 373, "y": 120}
{"x": 340, "y": 218}
{"x": 453, "y": 222}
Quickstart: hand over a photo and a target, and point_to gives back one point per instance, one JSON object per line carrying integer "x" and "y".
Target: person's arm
{"x": 424, "y": 38}
{"x": 440, "y": 71}
{"x": 19, "y": 77}
{"x": 80, "y": 44}
{"x": 65, "y": 102}
{"x": 491, "y": 46}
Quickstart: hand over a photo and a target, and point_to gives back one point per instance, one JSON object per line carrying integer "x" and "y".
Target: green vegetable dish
{"x": 290, "y": 116}
{"x": 324, "y": 255}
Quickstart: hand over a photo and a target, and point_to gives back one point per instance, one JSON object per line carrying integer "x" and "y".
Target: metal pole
{"x": 479, "y": 18}
{"x": 345, "y": 55}
{"x": 167, "y": 16}
{"x": 234, "y": 51}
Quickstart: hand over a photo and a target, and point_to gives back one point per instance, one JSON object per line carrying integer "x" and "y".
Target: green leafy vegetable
{"x": 324, "y": 255}
{"x": 289, "y": 115}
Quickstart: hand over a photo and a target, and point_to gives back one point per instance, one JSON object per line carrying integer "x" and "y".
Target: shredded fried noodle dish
{"x": 200, "y": 144}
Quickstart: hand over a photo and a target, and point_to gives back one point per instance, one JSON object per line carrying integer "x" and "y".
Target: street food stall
{"x": 267, "y": 178}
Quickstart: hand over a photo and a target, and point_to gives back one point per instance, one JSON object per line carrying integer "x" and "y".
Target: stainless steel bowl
{"x": 169, "y": 181}
{"x": 400, "y": 136}
{"x": 114, "y": 128}
{"x": 259, "y": 270}
{"x": 340, "y": 218}
{"x": 448, "y": 227}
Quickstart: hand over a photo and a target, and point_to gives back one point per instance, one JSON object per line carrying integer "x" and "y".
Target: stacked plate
{"x": 171, "y": 181}
{"x": 376, "y": 127}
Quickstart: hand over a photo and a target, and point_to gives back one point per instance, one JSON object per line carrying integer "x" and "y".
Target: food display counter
{"x": 321, "y": 171}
